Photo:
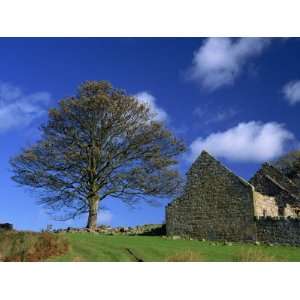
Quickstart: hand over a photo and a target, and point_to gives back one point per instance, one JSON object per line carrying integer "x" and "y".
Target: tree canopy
{"x": 100, "y": 143}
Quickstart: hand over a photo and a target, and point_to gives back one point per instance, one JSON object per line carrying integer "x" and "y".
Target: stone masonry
{"x": 279, "y": 230}
{"x": 218, "y": 205}
{"x": 269, "y": 181}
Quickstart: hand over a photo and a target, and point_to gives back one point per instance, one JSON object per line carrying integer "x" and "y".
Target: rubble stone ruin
{"x": 218, "y": 205}
{"x": 6, "y": 227}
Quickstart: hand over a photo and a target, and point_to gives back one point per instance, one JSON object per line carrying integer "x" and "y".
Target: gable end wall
{"x": 216, "y": 205}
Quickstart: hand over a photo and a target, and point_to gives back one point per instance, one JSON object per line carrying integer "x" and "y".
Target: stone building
{"x": 218, "y": 205}
{"x": 284, "y": 192}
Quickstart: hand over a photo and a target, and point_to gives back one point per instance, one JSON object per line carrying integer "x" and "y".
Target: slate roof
{"x": 275, "y": 176}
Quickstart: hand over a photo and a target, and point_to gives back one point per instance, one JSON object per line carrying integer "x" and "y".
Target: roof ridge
{"x": 280, "y": 186}
{"x": 280, "y": 172}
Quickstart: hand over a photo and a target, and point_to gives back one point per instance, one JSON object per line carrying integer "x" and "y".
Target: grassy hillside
{"x": 97, "y": 247}
{"x": 26, "y": 246}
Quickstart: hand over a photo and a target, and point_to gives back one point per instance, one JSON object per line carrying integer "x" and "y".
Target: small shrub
{"x": 254, "y": 255}
{"x": 187, "y": 256}
{"x": 29, "y": 246}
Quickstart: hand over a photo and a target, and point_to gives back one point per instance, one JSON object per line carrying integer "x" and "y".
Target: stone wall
{"x": 271, "y": 182}
{"x": 278, "y": 230}
{"x": 291, "y": 211}
{"x": 6, "y": 226}
{"x": 265, "y": 205}
{"x": 216, "y": 204}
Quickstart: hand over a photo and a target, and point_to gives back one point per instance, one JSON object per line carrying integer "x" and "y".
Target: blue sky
{"x": 237, "y": 98}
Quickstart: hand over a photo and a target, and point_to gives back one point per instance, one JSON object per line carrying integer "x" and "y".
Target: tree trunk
{"x": 93, "y": 212}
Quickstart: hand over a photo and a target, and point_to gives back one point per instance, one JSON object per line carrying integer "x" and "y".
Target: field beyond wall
{"x": 96, "y": 247}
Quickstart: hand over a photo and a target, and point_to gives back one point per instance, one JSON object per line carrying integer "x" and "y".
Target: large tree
{"x": 100, "y": 143}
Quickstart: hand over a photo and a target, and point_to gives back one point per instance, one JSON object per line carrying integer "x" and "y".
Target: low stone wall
{"x": 6, "y": 226}
{"x": 278, "y": 230}
{"x": 146, "y": 229}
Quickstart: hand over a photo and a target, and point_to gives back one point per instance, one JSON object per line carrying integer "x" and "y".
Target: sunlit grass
{"x": 97, "y": 247}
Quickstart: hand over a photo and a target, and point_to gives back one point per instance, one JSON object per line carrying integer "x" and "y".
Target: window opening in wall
{"x": 281, "y": 211}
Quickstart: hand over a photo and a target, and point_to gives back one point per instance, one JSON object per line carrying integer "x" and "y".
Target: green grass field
{"x": 95, "y": 247}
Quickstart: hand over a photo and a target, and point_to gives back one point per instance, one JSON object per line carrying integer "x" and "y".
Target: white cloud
{"x": 252, "y": 141}
{"x": 160, "y": 115}
{"x": 291, "y": 92}
{"x": 19, "y": 109}
{"x": 105, "y": 217}
{"x": 220, "y": 60}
